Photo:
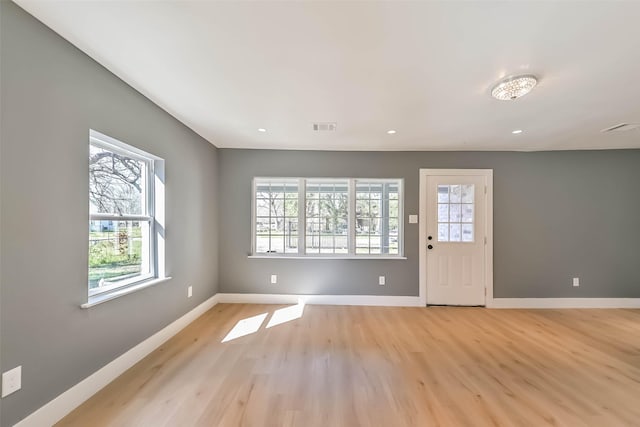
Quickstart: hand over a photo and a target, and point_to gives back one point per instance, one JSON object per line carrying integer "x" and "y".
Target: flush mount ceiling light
{"x": 391, "y": 131}
{"x": 514, "y": 87}
{"x": 262, "y": 130}
{"x": 517, "y": 131}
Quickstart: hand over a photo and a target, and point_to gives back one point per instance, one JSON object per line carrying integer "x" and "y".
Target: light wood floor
{"x": 379, "y": 366}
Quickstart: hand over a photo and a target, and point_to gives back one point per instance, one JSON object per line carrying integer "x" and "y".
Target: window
{"x": 277, "y": 216}
{"x": 326, "y": 222}
{"x": 327, "y": 217}
{"x": 377, "y": 217}
{"x": 455, "y": 213}
{"x": 123, "y": 245}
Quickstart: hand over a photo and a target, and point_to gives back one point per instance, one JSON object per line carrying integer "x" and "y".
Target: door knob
{"x": 430, "y": 247}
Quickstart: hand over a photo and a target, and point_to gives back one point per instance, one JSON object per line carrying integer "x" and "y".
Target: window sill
{"x": 304, "y": 257}
{"x": 120, "y": 292}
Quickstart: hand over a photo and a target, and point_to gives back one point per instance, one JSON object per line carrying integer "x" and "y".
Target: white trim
{"x": 422, "y": 238}
{"x": 488, "y": 248}
{"x": 564, "y": 303}
{"x": 122, "y": 290}
{"x": 372, "y": 300}
{"x": 115, "y": 217}
{"x": 351, "y": 220}
{"x": 110, "y": 143}
{"x": 334, "y": 257}
{"x": 59, "y": 407}
{"x": 422, "y": 227}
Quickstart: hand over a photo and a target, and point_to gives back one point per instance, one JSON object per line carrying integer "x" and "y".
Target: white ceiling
{"x": 425, "y": 69}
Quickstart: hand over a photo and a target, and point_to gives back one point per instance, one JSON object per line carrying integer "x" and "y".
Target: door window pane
{"x": 443, "y": 194}
{"x": 467, "y": 232}
{"x": 455, "y": 193}
{"x": 467, "y": 193}
{"x": 454, "y": 233}
{"x": 443, "y": 232}
{"x": 467, "y": 212}
{"x": 456, "y": 213}
{"x": 443, "y": 212}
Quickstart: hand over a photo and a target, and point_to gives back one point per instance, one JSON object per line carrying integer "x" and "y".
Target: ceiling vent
{"x": 325, "y": 127}
{"x": 622, "y": 127}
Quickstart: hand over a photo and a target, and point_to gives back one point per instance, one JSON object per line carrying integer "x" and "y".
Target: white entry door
{"x": 456, "y": 232}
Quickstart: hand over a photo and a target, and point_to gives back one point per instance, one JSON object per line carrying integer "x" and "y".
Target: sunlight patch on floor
{"x": 286, "y": 314}
{"x": 246, "y": 327}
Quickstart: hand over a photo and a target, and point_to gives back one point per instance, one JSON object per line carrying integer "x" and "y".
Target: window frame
{"x": 351, "y": 215}
{"x": 302, "y": 214}
{"x": 152, "y": 208}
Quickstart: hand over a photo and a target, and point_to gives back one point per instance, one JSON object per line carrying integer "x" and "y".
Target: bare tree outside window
{"x": 115, "y": 183}
{"x": 117, "y": 242}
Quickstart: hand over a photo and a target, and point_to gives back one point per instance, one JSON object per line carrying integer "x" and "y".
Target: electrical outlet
{"x": 576, "y": 281}
{"x": 413, "y": 219}
{"x": 382, "y": 280}
{"x": 11, "y": 381}
{"x": 189, "y": 291}
{"x": 274, "y": 279}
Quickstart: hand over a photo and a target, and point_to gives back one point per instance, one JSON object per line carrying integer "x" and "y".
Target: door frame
{"x": 488, "y": 258}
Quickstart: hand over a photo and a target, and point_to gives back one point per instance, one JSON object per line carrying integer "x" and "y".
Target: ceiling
{"x": 425, "y": 69}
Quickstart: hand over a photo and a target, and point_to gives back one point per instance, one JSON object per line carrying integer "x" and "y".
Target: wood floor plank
{"x": 384, "y": 366}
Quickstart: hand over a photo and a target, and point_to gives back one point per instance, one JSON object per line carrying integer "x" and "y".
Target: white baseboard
{"x": 56, "y": 409}
{"x": 374, "y": 300}
{"x": 564, "y": 303}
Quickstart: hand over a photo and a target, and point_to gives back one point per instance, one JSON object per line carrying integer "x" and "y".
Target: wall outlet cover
{"x": 382, "y": 280}
{"x": 413, "y": 219}
{"x": 11, "y": 381}
{"x": 189, "y": 291}
{"x": 274, "y": 279}
{"x": 576, "y": 281}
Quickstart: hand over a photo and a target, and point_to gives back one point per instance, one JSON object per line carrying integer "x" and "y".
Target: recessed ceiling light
{"x": 514, "y": 87}
{"x": 262, "y": 130}
{"x": 517, "y": 131}
{"x": 391, "y": 132}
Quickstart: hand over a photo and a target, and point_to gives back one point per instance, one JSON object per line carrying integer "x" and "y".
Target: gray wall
{"x": 557, "y": 215}
{"x": 51, "y": 95}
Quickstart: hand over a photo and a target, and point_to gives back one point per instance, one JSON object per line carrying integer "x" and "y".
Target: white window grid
{"x": 335, "y": 249}
{"x": 377, "y": 217}
{"x": 456, "y": 207}
{"x": 149, "y": 256}
{"x": 327, "y": 216}
{"x": 276, "y": 223}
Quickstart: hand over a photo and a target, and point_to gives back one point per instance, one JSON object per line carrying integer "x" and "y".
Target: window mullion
{"x": 254, "y": 217}
{"x": 401, "y": 217}
{"x": 110, "y": 217}
{"x": 302, "y": 217}
{"x": 351, "y": 226}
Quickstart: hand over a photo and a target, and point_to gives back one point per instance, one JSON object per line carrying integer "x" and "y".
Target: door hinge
{"x": 485, "y": 292}
{"x": 485, "y": 240}
{"x": 485, "y": 189}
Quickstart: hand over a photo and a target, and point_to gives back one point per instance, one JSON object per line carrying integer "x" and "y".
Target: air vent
{"x": 325, "y": 127}
{"x": 622, "y": 127}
